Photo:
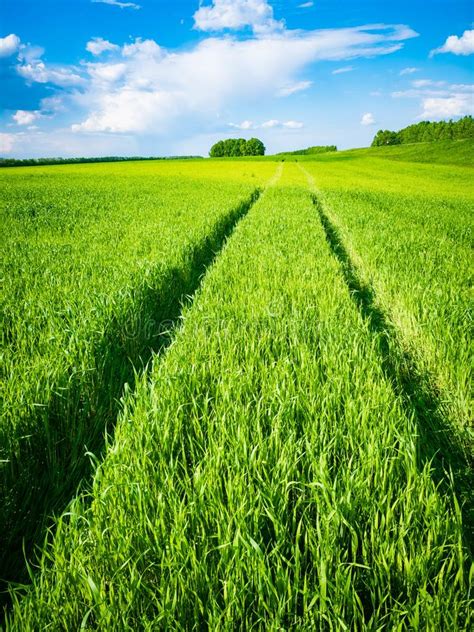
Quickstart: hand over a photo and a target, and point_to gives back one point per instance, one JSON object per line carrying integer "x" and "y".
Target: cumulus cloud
{"x": 286, "y": 91}
{"x": 340, "y": 71}
{"x": 26, "y": 117}
{"x": 143, "y": 48}
{"x": 144, "y": 88}
{"x": 367, "y": 119}
{"x": 49, "y": 107}
{"x": 38, "y": 72}
{"x": 108, "y": 73}
{"x": 7, "y": 142}
{"x": 463, "y": 45}
{"x": 245, "y": 125}
{"x": 440, "y": 100}
{"x": 132, "y": 111}
{"x": 447, "y": 107}
{"x": 271, "y": 124}
{"x": 34, "y": 70}
{"x": 172, "y": 86}
{"x": 118, "y": 3}
{"x": 9, "y": 45}
{"x": 237, "y": 14}
{"x": 97, "y": 46}
{"x": 408, "y": 71}
{"x": 293, "y": 124}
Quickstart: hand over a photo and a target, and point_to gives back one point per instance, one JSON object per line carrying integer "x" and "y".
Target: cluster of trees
{"x": 316, "y": 149}
{"x": 237, "y": 147}
{"x": 427, "y": 131}
{"x": 32, "y": 162}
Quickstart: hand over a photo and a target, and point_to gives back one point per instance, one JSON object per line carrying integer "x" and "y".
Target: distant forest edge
{"x": 426, "y": 132}
{"x": 34, "y": 162}
{"x": 316, "y": 149}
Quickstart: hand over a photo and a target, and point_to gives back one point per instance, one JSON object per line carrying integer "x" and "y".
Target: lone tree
{"x": 237, "y": 147}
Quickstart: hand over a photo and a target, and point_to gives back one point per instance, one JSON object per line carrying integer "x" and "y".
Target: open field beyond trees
{"x": 236, "y": 393}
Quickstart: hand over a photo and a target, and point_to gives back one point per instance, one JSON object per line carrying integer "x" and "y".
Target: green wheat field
{"x": 236, "y": 393}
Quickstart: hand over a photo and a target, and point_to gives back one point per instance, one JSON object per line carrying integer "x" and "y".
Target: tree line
{"x": 426, "y": 132}
{"x": 237, "y": 147}
{"x": 32, "y": 162}
{"x": 309, "y": 151}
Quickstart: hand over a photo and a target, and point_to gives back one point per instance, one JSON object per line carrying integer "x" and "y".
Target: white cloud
{"x": 40, "y": 73}
{"x": 340, "y": 71}
{"x": 447, "y": 107}
{"x": 132, "y": 111}
{"x": 428, "y": 88}
{"x": 145, "y": 48}
{"x": 367, "y": 119}
{"x": 33, "y": 69}
{"x": 376, "y": 93}
{"x": 425, "y": 83}
{"x": 294, "y": 87}
{"x": 50, "y": 106}
{"x": 7, "y": 142}
{"x": 117, "y": 3}
{"x": 439, "y": 99}
{"x": 9, "y": 45}
{"x": 271, "y": 124}
{"x": 245, "y": 125}
{"x": 463, "y": 45}
{"x": 293, "y": 124}
{"x": 109, "y": 73}
{"x": 408, "y": 71}
{"x": 26, "y": 117}
{"x": 237, "y": 14}
{"x": 97, "y": 46}
{"x": 195, "y": 85}
{"x": 306, "y": 5}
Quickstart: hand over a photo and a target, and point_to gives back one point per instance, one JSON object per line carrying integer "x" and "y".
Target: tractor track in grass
{"x": 438, "y": 444}
{"x": 160, "y": 310}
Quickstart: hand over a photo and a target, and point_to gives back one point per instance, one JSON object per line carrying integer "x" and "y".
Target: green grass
{"x": 265, "y": 474}
{"x": 96, "y": 261}
{"x": 282, "y": 386}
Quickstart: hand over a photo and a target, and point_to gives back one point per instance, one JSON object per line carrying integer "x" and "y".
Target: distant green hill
{"x": 449, "y": 152}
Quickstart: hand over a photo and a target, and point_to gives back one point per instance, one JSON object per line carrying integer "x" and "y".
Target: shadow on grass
{"x": 50, "y": 465}
{"x": 437, "y": 444}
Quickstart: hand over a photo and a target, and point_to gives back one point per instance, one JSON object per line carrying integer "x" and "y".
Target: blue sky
{"x": 164, "y": 77}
